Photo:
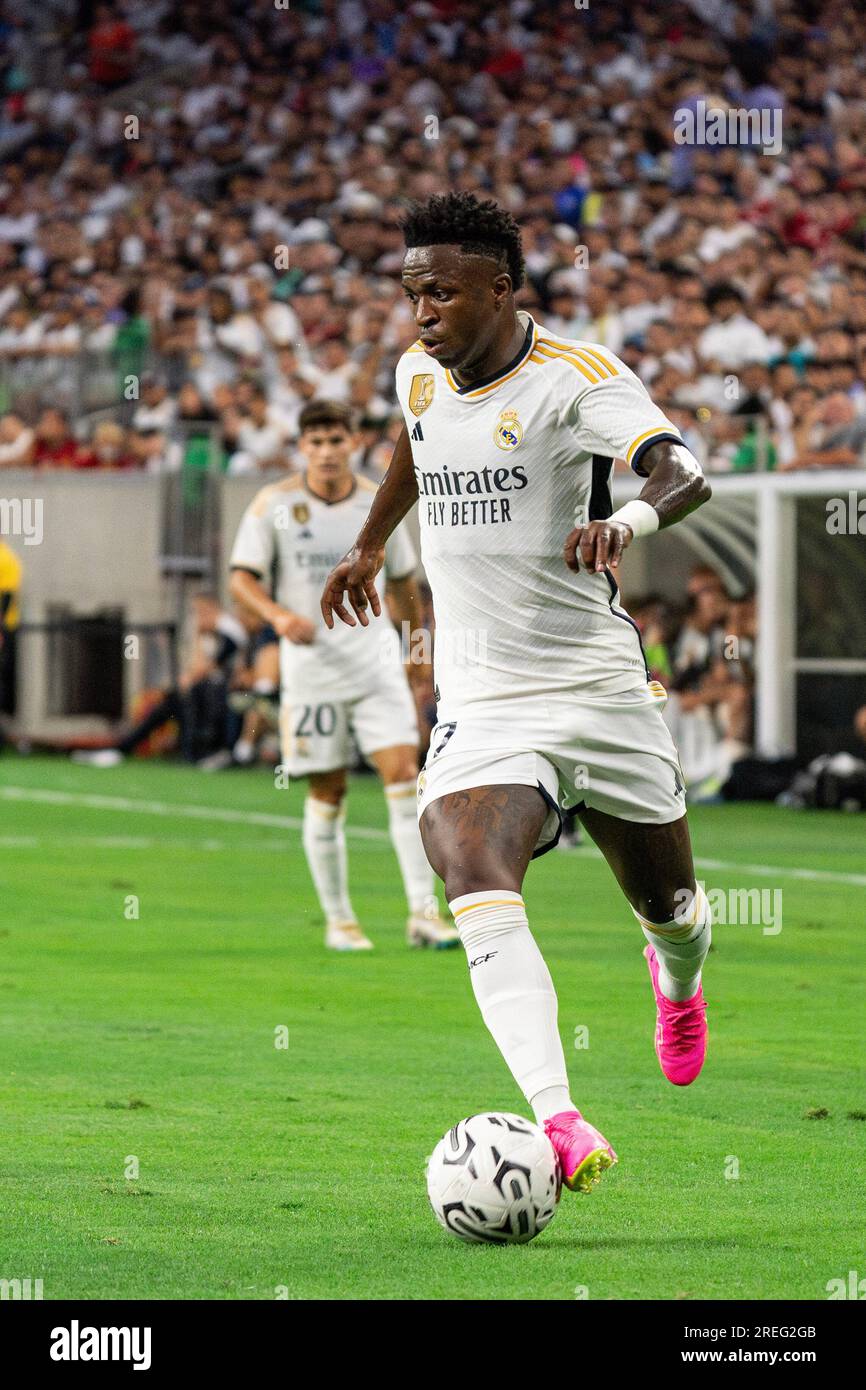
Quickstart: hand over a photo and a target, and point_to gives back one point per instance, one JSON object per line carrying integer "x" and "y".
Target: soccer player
{"x": 544, "y": 699}
{"x": 335, "y": 685}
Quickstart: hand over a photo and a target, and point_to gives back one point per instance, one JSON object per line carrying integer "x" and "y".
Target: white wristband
{"x": 640, "y": 516}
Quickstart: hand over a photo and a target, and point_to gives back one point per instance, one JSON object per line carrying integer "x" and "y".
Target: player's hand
{"x": 298, "y": 630}
{"x": 354, "y": 576}
{"x": 598, "y": 544}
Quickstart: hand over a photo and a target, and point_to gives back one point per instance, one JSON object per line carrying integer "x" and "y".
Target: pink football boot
{"x": 583, "y": 1153}
{"x": 681, "y": 1030}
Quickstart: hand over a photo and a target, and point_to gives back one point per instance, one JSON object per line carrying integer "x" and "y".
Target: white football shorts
{"x": 316, "y": 733}
{"x": 615, "y": 755}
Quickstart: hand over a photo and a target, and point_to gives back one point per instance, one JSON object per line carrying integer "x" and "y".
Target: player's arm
{"x": 247, "y": 589}
{"x": 404, "y": 603}
{"x": 355, "y": 576}
{"x": 675, "y": 486}
{"x": 609, "y": 412}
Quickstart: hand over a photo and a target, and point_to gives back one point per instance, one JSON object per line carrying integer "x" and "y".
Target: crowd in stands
{"x": 206, "y": 200}
{"x": 703, "y": 653}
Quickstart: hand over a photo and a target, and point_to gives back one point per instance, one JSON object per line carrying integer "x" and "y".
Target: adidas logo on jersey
{"x": 417, "y": 434}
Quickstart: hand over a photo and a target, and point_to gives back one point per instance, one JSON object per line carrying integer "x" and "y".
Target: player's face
{"x": 454, "y": 298}
{"x": 328, "y": 451}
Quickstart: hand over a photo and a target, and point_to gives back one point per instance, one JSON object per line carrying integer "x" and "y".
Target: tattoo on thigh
{"x": 500, "y": 815}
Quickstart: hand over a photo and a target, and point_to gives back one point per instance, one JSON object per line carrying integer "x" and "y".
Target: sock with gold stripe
{"x": 681, "y": 946}
{"x": 406, "y": 839}
{"x": 324, "y": 842}
{"x": 515, "y": 994}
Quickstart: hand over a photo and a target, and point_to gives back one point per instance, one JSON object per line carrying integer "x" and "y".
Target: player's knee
{"x": 329, "y": 787}
{"x": 404, "y": 771}
{"x": 397, "y": 765}
{"x": 654, "y": 906}
{"x": 481, "y": 877}
{"x": 661, "y": 904}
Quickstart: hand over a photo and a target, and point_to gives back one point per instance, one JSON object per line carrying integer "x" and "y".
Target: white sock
{"x": 515, "y": 994}
{"x": 325, "y": 847}
{"x": 406, "y": 839}
{"x": 244, "y": 751}
{"x": 681, "y": 947}
{"x": 551, "y": 1101}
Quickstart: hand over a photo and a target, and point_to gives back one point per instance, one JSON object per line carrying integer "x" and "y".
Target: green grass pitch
{"x": 146, "y": 1044}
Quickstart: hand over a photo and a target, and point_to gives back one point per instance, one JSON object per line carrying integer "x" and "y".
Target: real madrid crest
{"x": 301, "y": 513}
{"x": 421, "y": 392}
{"x": 509, "y": 431}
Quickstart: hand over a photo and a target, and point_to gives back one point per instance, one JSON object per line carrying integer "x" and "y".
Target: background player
{"x": 333, "y": 685}
{"x": 510, "y": 440}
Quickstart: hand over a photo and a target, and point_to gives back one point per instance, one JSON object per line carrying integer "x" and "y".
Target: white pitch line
{"x": 167, "y": 808}
{"x": 360, "y": 832}
{"x": 140, "y": 842}
{"x": 823, "y": 875}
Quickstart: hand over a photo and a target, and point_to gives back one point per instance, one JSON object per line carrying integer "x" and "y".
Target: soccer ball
{"x": 494, "y": 1177}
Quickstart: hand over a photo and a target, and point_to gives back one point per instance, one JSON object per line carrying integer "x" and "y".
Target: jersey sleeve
{"x": 610, "y": 412}
{"x": 254, "y": 546}
{"x": 400, "y": 557}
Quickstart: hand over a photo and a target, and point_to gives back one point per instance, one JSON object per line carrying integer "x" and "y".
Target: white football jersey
{"x": 506, "y": 468}
{"x": 291, "y": 540}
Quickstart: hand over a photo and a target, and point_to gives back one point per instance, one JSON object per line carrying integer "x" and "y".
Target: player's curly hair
{"x": 478, "y": 228}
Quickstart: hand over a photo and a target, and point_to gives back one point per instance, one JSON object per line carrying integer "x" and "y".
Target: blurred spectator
{"x": 199, "y": 702}
{"x": 107, "y": 448}
{"x": 56, "y": 446}
{"x": 17, "y": 443}
{"x": 111, "y": 43}
{"x": 258, "y": 433}
{"x": 709, "y": 710}
{"x": 657, "y": 626}
{"x": 152, "y": 450}
{"x": 21, "y": 334}
{"x": 255, "y": 697}
{"x": 156, "y": 410}
{"x": 836, "y": 434}
{"x": 732, "y": 339}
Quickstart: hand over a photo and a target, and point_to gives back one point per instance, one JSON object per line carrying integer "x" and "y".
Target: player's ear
{"x": 502, "y": 290}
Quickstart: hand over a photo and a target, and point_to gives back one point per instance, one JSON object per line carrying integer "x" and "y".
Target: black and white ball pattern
{"x": 494, "y": 1177}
